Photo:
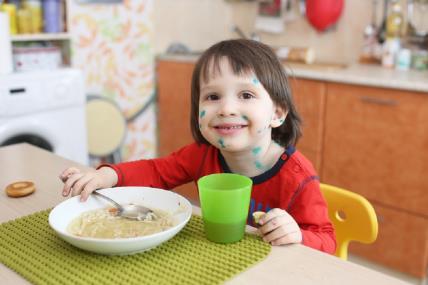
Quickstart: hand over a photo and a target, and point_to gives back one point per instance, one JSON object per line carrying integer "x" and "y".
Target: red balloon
{"x": 322, "y": 14}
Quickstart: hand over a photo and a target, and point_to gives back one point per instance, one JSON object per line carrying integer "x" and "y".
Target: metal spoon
{"x": 130, "y": 211}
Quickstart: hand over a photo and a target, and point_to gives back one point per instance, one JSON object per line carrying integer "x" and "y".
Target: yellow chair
{"x": 353, "y": 218}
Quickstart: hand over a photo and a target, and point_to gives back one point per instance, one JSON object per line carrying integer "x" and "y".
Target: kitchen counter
{"x": 358, "y": 74}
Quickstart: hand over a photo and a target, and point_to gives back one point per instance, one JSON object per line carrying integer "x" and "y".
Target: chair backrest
{"x": 353, "y": 217}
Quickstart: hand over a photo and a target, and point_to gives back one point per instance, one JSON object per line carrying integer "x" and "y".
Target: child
{"x": 243, "y": 121}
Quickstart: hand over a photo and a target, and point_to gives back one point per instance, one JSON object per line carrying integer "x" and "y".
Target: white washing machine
{"x": 46, "y": 109}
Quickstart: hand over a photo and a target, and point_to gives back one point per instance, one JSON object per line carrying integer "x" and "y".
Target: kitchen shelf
{"x": 41, "y": 37}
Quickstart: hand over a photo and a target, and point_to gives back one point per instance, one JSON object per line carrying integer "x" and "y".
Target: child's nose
{"x": 228, "y": 108}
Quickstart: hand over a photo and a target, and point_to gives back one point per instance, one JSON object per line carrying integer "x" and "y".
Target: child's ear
{"x": 278, "y": 117}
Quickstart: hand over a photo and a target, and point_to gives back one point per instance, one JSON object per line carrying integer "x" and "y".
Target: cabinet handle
{"x": 385, "y": 102}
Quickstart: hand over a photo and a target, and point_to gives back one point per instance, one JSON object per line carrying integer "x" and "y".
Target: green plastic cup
{"x": 225, "y": 199}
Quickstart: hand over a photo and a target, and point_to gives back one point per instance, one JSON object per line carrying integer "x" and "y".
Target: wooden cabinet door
{"x": 173, "y": 90}
{"x": 173, "y": 82}
{"x": 376, "y": 144}
{"x": 402, "y": 242}
{"x": 309, "y": 97}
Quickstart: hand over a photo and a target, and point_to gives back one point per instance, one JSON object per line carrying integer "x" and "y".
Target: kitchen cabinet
{"x": 370, "y": 140}
{"x": 173, "y": 89}
{"x": 402, "y": 241}
{"x": 309, "y": 97}
{"x": 375, "y": 144}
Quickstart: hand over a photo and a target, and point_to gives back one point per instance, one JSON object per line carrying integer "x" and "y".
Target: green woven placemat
{"x": 31, "y": 248}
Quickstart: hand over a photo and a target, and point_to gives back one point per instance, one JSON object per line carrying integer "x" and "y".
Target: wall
{"x": 113, "y": 45}
{"x": 199, "y": 23}
{"x": 196, "y": 23}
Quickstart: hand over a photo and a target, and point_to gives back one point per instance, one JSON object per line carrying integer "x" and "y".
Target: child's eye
{"x": 212, "y": 97}
{"x": 247, "y": 95}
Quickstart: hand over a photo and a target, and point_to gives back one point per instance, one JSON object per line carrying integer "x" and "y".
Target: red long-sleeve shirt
{"x": 291, "y": 184}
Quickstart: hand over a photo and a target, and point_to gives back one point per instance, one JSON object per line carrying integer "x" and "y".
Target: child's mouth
{"x": 228, "y": 129}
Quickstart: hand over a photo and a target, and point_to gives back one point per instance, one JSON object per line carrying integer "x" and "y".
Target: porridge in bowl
{"x": 104, "y": 223}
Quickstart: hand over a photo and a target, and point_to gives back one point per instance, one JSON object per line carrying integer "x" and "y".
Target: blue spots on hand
{"x": 202, "y": 114}
{"x": 221, "y": 143}
{"x": 256, "y": 150}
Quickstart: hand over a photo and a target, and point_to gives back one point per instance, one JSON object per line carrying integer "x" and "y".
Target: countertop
{"x": 358, "y": 74}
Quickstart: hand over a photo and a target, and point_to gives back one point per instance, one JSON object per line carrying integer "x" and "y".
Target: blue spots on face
{"x": 256, "y": 150}
{"x": 202, "y": 114}
{"x": 256, "y": 81}
{"x": 281, "y": 121}
{"x": 200, "y": 126}
{"x": 259, "y": 165}
{"x": 245, "y": 117}
{"x": 221, "y": 143}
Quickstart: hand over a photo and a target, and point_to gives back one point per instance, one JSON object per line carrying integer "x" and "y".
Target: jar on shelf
{"x": 35, "y": 9}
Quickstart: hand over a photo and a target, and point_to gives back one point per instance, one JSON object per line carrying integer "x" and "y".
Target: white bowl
{"x": 61, "y": 216}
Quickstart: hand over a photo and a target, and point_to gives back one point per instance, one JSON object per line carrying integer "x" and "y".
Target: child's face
{"x": 236, "y": 113}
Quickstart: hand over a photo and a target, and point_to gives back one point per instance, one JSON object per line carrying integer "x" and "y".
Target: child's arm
{"x": 168, "y": 172}
{"x": 306, "y": 222}
{"x": 309, "y": 210}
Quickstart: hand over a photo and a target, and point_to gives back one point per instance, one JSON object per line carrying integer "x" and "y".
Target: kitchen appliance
{"x": 46, "y": 109}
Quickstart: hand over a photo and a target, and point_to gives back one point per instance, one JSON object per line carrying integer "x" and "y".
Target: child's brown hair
{"x": 248, "y": 56}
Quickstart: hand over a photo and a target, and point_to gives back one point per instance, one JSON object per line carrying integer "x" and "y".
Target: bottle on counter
{"x": 390, "y": 50}
{"x": 395, "y": 21}
{"x": 420, "y": 60}
{"x": 404, "y": 59}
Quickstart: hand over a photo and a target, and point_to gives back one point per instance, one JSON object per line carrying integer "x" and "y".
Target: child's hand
{"x": 77, "y": 182}
{"x": 278, "y": 228}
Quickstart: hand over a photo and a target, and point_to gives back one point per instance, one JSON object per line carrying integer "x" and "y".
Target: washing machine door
{"x": 28, "y": 138}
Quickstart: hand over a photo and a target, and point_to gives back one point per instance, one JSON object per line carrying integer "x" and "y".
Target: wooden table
{"x": 292, "y": 264}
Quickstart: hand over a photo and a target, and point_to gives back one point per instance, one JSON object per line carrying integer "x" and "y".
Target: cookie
{"x": 20, "y": 189}
{"x": 257, "y": 215}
